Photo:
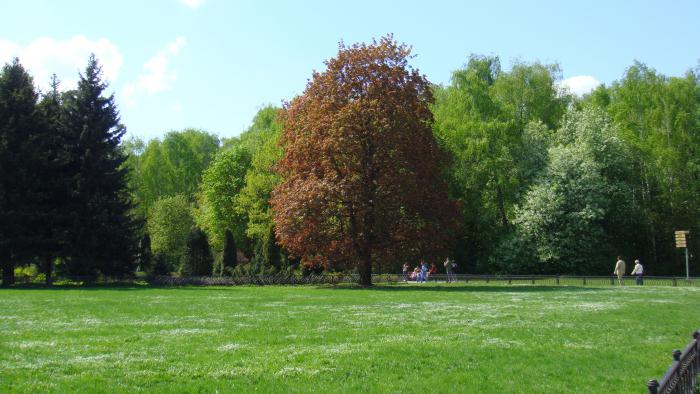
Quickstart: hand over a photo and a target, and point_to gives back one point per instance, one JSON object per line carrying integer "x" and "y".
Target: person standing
{"x": 619, "y": 270}
{"x": 423, "y": 271}
{"x": 638, "y": 271}
{"x": 448, "y": 269}
{"x": 406, "y": 268}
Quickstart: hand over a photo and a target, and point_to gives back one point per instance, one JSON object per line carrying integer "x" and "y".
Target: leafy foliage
{"x": 659, "y": 119}
{"x": 361, "y": 168}
{"x": 169, "y": 224}
{"x": 221, "y": 184}
{"x": 169, "y": 167}
{"x": 497, "y": 126}
{"x": 254, "y": 198}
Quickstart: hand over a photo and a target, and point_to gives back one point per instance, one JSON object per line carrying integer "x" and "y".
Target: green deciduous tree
{"x": 254, "y": 198}
{"x": 659, "y": 119}
{"x": 169, "y": 223}
{"x": 221, "y": 184}
{"x": 172, "y": 166}
{"x": 497, "y": 125}
{"x": 580, "y": 213}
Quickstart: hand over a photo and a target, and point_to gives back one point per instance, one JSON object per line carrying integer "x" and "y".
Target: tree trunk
{"x": 365, "y": 269}
{"x": 48, "y": 270}
{"x": 8, "y": 269}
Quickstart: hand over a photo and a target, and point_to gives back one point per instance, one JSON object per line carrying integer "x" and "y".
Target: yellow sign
{"x": 681, "y": 241}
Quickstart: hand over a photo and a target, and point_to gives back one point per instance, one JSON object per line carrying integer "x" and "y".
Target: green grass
{"x": 404, "y": 338}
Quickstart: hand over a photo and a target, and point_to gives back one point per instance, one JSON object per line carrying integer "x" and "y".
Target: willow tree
{"x": 361, "y": 169}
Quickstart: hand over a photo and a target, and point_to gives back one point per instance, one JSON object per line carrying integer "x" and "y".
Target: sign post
{"x": 682, "y": 242}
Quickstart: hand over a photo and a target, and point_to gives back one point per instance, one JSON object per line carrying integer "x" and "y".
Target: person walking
{"x": 619, "y": 270}
{"x": 638, "y": 271}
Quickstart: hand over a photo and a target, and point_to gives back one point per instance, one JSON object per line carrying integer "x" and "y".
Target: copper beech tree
{"x": 362, "y": 170}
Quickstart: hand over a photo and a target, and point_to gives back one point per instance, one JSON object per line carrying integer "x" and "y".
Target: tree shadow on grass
{"x": 381, "y": 287}
{"x": 61, "y": 287}
{"x": 494, "y": 288}
{"x": 135, "y": 287}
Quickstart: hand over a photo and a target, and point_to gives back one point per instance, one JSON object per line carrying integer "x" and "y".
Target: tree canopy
{"x": 361, "y": 169}
{"x": 371, "y": 166}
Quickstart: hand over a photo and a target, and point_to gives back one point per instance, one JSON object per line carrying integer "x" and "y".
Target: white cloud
{"x": 194, "y": 4}
{"x": 580, "y": 84}
{"x": 46, "y": 56}
{"x": 157, "y": 75}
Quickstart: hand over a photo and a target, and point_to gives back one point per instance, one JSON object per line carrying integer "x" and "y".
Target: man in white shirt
{"x": 638, "y": 271}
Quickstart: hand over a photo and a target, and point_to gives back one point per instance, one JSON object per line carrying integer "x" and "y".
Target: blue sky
{"x": 211, "y": 64}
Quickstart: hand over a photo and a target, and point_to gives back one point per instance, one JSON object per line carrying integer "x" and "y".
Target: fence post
{"x": 653, "y": 386}
{"x": 674, "y": 282}
{"x": 584, "y": 280}
{"x": 557, "y": 279}
{"x": 677, "y": 355}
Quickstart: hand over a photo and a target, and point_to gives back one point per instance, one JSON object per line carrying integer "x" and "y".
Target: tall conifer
{"x": 103, "y": 233}
{"x": 17, "y": 128}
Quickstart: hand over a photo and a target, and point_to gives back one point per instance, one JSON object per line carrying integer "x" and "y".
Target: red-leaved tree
{"x": 361, "y": 168}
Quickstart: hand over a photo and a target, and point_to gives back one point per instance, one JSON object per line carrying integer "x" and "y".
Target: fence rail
{"x": 682, "y": 376}
{"x": 290, "y": 279}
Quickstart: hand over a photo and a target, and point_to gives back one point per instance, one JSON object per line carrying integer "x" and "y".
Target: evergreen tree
{"x": 52, "y": 180}
{"x": 17, "y": 126}
{"x": 198, "y": 258}
{"x": 102, "y": 236}
{"x": 273, "y": 252}
{"x": 230, "y": 259}
{"x": 145, "y": 255}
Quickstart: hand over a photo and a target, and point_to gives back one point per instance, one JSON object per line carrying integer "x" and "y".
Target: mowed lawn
{"x": 393, "y": 338}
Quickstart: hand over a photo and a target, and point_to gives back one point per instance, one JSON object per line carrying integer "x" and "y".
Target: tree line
{"x": 63, "y": 193}
{"x": 371, "y": 166}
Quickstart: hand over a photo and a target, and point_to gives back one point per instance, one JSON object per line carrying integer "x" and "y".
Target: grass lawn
{"x": 400, "y": 338}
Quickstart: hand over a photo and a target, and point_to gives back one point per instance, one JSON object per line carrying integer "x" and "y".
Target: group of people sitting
{"x": 422, "y": 272}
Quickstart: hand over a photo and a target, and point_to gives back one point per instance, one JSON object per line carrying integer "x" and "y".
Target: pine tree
{"x": 102, "y": 238}
{"x": 17, "y": 121}
{"x": 52, "y": 181}
{"x": 230, "y": 258}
